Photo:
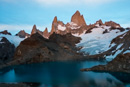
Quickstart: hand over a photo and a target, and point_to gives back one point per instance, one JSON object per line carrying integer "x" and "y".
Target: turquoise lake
{"x": 64, "y": 74}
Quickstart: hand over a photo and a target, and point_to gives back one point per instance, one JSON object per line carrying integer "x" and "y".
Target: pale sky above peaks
{"x": 16, "y": 15}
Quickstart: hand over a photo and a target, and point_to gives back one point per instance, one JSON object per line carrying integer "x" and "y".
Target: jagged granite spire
{"x": 45, "y": 33}
{"x": 34, "y": 29}
{"x": 54, "y": 25}
{"x": 78, "y": 19}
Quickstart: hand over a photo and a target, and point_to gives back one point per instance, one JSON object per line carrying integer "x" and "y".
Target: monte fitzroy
{"x": 75, "y": 40}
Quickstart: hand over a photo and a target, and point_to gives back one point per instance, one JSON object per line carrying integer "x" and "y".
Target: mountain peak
{"x": 112, "y": 24}
{"x": 34, "y": 26}
{"x": 45, "y": 33}
{"x": 54, "y": 25}
{"x": 5, "y": 32}
{"x": 55, "y": 19}
{"x": 77, "y": 12}
{"x": 78, "y": 19}
{"x": 22, "y": 34}
{"x": 99, "y": 22}
{"x": 34, "y": 29}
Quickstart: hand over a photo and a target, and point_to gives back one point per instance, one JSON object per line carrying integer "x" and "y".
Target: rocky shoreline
{"x": 120, "y": 64}
{"x": 19, "y": 84}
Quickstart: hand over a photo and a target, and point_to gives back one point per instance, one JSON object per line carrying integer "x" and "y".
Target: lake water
{"x": 64, "y": 74}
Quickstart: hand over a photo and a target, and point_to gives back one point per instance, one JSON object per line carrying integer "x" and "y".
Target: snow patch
{"x": 119, "y": 46}
{"x": 112, "y": 45}
{"x": 128, "y": 51}
{"x": 13, "y": 39}
{"x": 62, "y": 28}
{"x": 73, "y": 25}
{"x": 108, "y": 58}
{"x": 123, "y": 36}
{"x": 97, "y": 42}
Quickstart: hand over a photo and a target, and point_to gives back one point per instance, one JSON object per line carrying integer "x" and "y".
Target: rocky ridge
{"x": 22, "y": 34}
{"x": 120, "y": 64}
{"x": 5, "y": 32}
{"x": 77, "y": 25}
{"x": 38, "y": 49}
{"x": 6, "y": 50}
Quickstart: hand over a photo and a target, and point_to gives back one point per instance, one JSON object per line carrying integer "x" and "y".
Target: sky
{"x": 16, "y": 15}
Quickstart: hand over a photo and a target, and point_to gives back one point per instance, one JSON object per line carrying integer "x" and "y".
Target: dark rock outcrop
{"x": 22, "y": 34}
{"x": 38, "y": 49}
{"x": 5, "y": 32}
{"x": 20, "y": 84}
{"x": 6, "y": 50}
{"x": 120, "y": 64}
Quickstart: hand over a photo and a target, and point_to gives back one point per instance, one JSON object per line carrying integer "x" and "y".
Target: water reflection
{"x": 63, "y": 74}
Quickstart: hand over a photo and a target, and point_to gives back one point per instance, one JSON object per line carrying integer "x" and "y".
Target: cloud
{"x": 73, "y": 2}
{"x": 64, "y": 2}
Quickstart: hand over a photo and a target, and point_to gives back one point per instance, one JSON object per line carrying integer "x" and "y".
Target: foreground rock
{"x": 19, "y": 84}
{"x": 38, "y": 49}
{"x": 6, "y": 50}
{"x": 120, "y": 64}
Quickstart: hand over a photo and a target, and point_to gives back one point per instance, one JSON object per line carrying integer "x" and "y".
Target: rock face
{"x": 78, "y": 19}
{"x": 120, "y": 64}
{"x": 38, "y": 49}
{"x": 112, "y": 24}
{"x": 5, "y": 32}
{"x": 120, "y": 50}
{"x": 35, "y": 30}
{"x": 118, "y": 46}
{"x": 22, "y": 34}
{"x": 46, "y": 33}
{"x": 54, "y": 25}
{"x": 121, "y": 45}
{"x": 6, "y": 50}
{"x": 99, "y": 22}
{"x": 76, "y": 26}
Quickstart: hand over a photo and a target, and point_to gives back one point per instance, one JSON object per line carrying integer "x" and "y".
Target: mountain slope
{"x": 98, "y": 39}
